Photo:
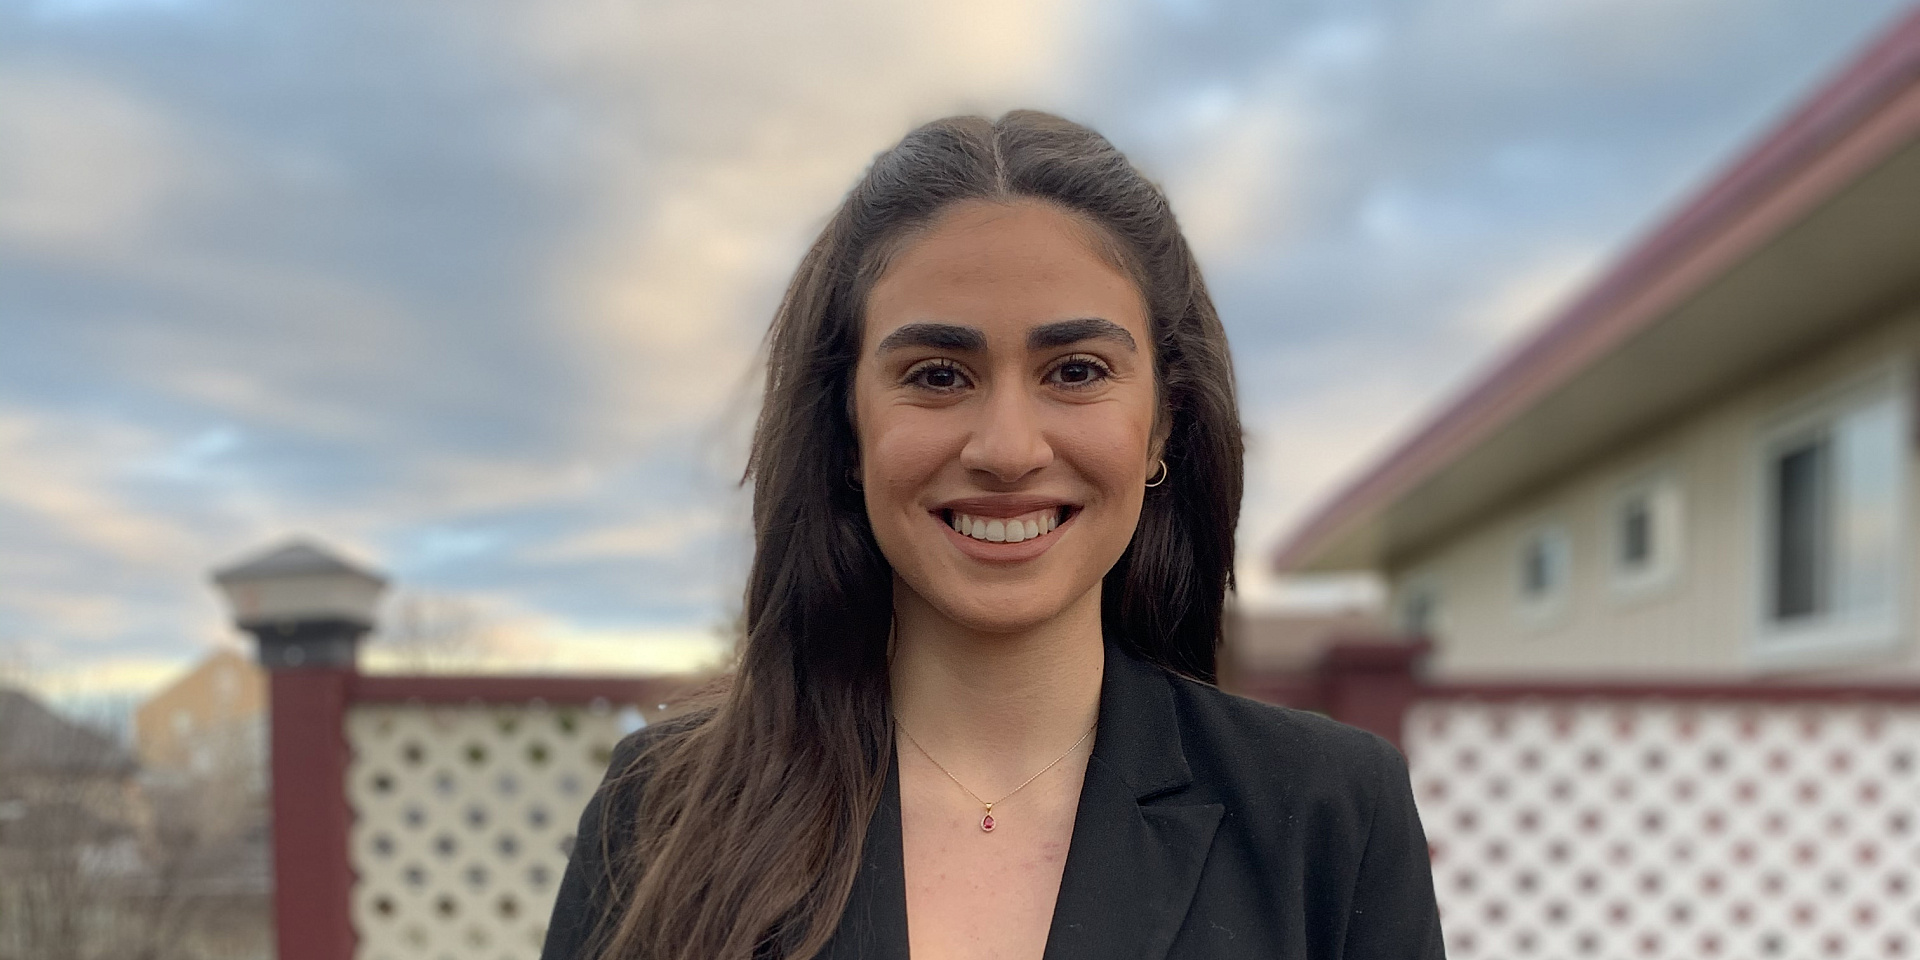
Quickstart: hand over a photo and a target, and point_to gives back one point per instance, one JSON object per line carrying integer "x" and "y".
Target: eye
{"x": 1079, "y": 372}
{"x": 939, "y": 376}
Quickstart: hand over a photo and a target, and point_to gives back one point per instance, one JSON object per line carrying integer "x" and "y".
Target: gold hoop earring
{"x": 1162, "y": 478}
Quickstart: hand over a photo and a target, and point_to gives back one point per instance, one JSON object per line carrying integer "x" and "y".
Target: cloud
{"x": 476, "y": 293}
{"x": 1301, "y": 447}
{"x": 77, "y": 684}
{"x": 545, "y": 643}
{"x": 69, "y": 494}
{"x": 660, "y": 537}
{"x": 498, "y": 633}
{"x": 1240, "y": 188}
{"x": 1530, "y": 295}
{"x": 1605, "y": 40}
{"x": 726, "y": 138}
{"x": 88, "y": 165}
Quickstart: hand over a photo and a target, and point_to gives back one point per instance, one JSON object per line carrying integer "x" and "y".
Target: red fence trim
{"x": 643, "y": 691}
{"x": 1371, "y": 684}
{"x": 1626, "y": 690}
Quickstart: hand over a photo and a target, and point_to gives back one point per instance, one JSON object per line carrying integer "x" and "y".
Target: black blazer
{"x": 1208, "y": 825}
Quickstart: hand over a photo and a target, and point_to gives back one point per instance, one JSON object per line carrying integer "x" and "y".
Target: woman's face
{"x": 1004, "y": 403}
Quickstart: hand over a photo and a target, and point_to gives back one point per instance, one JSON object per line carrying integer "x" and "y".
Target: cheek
{"x": 1110, "y": 448}
{"x": 900, "y": 449}
{"x": 1110, "y": 463}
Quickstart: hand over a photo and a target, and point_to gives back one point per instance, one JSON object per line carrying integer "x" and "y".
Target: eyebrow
{"x": 1066, "y": 332}
{"x": 940, "y": 336}
{"x": 949, "y": 336}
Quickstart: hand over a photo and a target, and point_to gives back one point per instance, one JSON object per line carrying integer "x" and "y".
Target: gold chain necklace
{"x": 986, "y": 821}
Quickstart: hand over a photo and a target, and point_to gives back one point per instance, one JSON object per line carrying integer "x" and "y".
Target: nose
{"x": 1007, "y": 440}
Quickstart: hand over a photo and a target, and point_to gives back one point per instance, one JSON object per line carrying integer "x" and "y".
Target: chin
{"x": 993, "y": 609}
{"x": 1004, "y": 624}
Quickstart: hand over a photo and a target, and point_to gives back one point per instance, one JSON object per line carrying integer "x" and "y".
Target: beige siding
{"x": 1702, "y": 622}
{"x": 213, "y": 716}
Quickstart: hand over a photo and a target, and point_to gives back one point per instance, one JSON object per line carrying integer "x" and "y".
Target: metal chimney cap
{"x": 298, "y": 557}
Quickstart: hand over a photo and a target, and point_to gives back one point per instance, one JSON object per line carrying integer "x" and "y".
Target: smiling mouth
{"x": 1026, "y": 526}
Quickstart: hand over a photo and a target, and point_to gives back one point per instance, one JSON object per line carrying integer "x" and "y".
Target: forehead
{"x": 1003, "y": 267}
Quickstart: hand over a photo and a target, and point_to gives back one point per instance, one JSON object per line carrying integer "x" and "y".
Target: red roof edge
{"x": 1889, "y": 65}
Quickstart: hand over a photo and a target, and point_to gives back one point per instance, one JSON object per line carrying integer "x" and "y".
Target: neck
{"x": 996, "y": 704}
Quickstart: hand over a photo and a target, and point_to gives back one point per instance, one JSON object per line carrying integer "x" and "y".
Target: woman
{"x": 996, "y": 478}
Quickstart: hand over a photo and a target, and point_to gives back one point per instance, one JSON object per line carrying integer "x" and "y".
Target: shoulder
{"x": 609, "y": 814}
{"x": 606, "y": 829}
{"x": 629, "y": 761}
{"x": 1318, "y": 819}
{"x": 630, "y": 748}
{"x": 1260, "y": 749}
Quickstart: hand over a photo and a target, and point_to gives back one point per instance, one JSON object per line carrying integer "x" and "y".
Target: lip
{"x": 1001, "y": 506}
{"x": 1011, "y": 506}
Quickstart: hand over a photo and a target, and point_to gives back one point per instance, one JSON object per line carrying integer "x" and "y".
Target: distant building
{"x": 53, "y": 770}
{"x": 1291, "y": 642}
{"x": 1704, "y": 466}
{"x": 212, "y": 719}
{"x": 73, "y": 823}
{"x": 99, "y": 857}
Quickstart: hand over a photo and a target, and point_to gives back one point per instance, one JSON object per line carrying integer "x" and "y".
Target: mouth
{"x": 1018, "y": 528}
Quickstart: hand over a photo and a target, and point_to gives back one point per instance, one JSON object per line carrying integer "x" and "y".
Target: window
{"x": 1802, "y": 488}
{"x": 1644, "y": 521}
{"x": 1544, "y": 570}
{"x": 1636, "y": 534}
{"x": 1832, "y": 511}
{"x": 1419, "y": 610}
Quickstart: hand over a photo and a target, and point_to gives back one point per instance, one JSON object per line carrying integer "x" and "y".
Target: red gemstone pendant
{"x": 986, "y": 823}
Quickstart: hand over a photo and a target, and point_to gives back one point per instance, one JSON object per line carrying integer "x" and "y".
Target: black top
{"x": 1209, "y": 825}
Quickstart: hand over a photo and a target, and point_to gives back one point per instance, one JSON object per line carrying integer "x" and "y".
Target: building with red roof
{"x": 1705, "y": 464}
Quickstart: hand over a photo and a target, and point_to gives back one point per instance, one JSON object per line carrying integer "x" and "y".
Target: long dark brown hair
{"x": 755, "y": 805}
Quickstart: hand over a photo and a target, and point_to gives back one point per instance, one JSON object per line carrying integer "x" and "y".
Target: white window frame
{"x": 1834, "y": 636}
{"x": 1549, "y": 608}
{"x": 1666, "y": 502}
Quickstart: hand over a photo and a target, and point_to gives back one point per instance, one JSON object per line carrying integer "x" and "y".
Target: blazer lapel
{"x": 874, "y": 925}
{"x": 1137, "y": 852}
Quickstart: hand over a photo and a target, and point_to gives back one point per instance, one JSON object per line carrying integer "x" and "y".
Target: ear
{"x": 1157, "y": 444}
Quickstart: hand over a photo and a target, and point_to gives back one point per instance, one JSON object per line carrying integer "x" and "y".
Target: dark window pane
{"x": 1419, "y": 614}
{"x": 1636, "y": 533}
{"x": 1533, "y": 568}
{"x": 1542, "y": 565}
{"x": 1800, "y": 518}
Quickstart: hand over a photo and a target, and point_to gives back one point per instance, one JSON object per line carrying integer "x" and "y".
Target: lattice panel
{"x": 464, "y": 818}
{"x": 1628, "y": 829}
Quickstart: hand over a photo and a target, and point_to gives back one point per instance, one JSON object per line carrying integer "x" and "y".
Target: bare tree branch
{"x": 433, "y": 633}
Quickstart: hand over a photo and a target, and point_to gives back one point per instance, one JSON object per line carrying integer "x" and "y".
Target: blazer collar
{"x": 1135, "y": 857}
{"x": 1138, "y": 737}
{"x": 1137, "y": 850}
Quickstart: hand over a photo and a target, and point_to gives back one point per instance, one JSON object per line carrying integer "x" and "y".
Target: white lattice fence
{"x": 463, "y": 820}
{"x": 1633, "y": 828}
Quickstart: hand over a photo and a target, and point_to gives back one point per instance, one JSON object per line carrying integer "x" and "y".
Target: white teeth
{"x": 1005, "y": 530}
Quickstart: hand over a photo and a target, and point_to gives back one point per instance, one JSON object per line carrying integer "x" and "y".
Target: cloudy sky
{"x": 473, "y": 290}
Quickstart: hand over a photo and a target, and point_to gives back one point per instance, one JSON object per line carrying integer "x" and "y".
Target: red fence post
{"x": 312, "y": 877}
{"x": 308, "y": 610}
{"x": 1370, "y": 684}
